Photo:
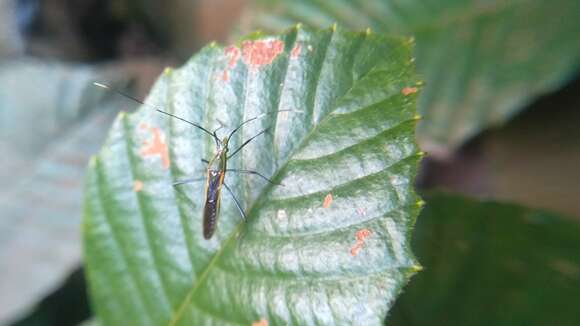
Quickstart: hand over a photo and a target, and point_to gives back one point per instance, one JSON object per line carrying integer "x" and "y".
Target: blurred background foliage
{"x": 500, "y": 108}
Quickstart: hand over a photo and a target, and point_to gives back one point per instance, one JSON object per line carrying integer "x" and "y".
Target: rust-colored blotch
{"x": 361, "y": 236}
{"x": 261, "y": 322}
{"x": 409, "y": 90}
{"x": 296, "y": 51}
{"x": 233, "y": 54}
{"x": 156, "y": 146}
{"x": 261, "y": 52}
{"x": 327, "y": 201}
{"x": 137, "y": 185}
{"x": 226, "y": 76}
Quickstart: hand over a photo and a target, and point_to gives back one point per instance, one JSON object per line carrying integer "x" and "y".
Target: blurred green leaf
{"x": 51, "y": 121}
{"x": 490, "y": 263}
{"x": 482, "y": 61}
{"x": 328, "y": 247}
{"x": 63, "y": 95}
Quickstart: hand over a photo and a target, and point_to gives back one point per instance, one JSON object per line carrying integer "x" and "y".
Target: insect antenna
{"x": 247, "y": 142}
{"x": 214, "y": 136}
{"x": 252, "y": 119}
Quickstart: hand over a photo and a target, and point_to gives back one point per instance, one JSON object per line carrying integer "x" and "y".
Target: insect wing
{"x": 215, "y": 180}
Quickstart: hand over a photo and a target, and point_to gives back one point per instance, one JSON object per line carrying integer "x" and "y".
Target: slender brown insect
{"x": 216, "y": 168}
{"x": 216, "y": 173}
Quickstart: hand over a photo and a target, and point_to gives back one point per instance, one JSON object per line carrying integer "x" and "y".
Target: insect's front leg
{"x": 190, "y": 180}
{"x": 185, "y": 181}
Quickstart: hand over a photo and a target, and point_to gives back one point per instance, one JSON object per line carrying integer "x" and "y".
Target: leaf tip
{"x": 334, "y": 27}
{"x": 167, "y": 71}
{"x": 417, "y": 117}
{"x": 368, "y": 31}
{"x": 421, "y": 203}
{"x": 416, "y": 268}
{"x": 298, "y": 26}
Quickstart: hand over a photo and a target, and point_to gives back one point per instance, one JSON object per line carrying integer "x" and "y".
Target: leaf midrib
{"x": 238, "y": 227}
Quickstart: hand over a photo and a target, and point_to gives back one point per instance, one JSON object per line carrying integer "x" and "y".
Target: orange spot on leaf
{"x": 361, "y": 236}
{"x": 261, "y": 52}
{"x": 156, "y": 146}
{"x": 296, "y": 51}
{"x": 233, "y": 53}
{"x": 137, "y": 185}
{"x": 327, "y": 201}
{"x": 261, "y": 322}
{"x": 355, "y": 249}
{"x": 409, "y": 90}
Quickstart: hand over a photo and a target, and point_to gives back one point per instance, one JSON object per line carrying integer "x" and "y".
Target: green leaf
{"x": 346, "y": 156}
{"x": 490, "y": 263}
{"x": 46, "y": 141}
{"x": 482, "y": 62}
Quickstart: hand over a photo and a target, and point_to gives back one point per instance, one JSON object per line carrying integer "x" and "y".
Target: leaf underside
{"x": 481, "y": 62}
{"x": 330, "y": 246}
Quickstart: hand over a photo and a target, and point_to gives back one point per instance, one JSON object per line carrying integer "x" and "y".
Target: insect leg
{"x": 254, "y": 173}
{"x": 247, "y": 142}
{"x": 181, "y": 182}
{"x": 236, "y": 201}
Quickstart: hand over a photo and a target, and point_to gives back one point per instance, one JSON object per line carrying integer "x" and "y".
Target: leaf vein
{"x": 137, "y": 196}
{"x": 115, "y": 238}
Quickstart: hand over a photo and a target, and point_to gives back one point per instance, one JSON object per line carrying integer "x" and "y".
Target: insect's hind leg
{"x": 184, "y": 181}
{"x": 238, "y": 205}
{"x": 254, "y": 173}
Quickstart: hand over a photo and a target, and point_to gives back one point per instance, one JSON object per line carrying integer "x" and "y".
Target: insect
{"x": 217, "y": 167}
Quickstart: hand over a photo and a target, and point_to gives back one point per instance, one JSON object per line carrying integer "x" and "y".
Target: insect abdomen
{"x": 212, "y": 202}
